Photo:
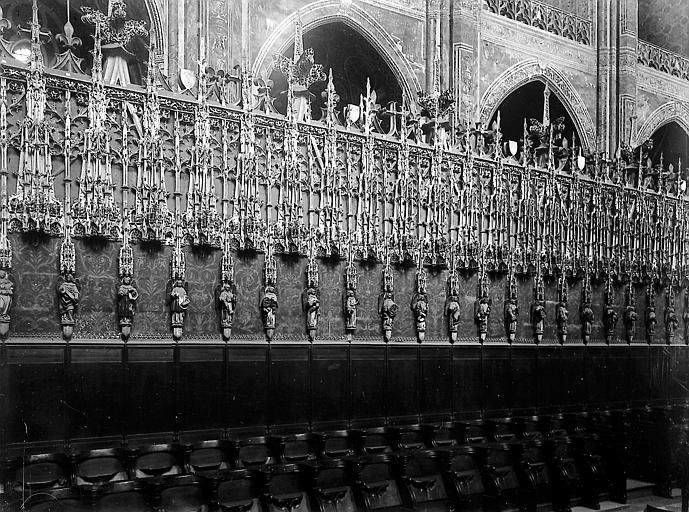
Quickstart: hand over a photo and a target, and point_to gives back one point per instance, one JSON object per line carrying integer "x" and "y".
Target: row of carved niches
{"x": 36, "y": 306}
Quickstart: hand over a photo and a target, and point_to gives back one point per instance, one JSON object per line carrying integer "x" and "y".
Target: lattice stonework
{"x": 663, "y": 60}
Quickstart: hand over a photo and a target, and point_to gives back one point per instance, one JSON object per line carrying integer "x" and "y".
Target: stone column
{"x": 606, "y": 119}
{"x": 466, "y": 19}
{"x": 626, "y": 71}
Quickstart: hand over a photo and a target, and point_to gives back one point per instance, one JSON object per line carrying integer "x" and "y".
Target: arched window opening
{"x": 525, "y": 104}
{"x": 352, "y": 59}
{"x": 672, "y": 142}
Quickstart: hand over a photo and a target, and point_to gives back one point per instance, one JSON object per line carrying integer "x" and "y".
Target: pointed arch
{"x": 668, "y": 112}
{"x": 329, "y": 11}
{"x": 529, "y": 71}
{"x": 158, "y": 28}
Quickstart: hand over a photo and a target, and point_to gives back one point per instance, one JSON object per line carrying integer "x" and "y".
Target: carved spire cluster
{"x": 151, "y": 217}
{"x": 33, "y": 206}
{"x": 202, "y": 222}
{"x": 95, "y": 213}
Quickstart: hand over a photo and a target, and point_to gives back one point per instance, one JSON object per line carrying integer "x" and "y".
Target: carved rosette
{"x": 671, "y": 319}
{"x": 127, "y": 294}
{"x": 227, "y": 294}
{"x": 177, "y": 292}
{"x": 452, "y": 307}
{"x": 511, "y": 312}
{"x": 269, "y": 301}
{"x": 538, "y": 311}
{"x": 650, "y": 316}
{"x": 387, "y": 307}
{"x": 310, "y": 300}
{"x": 630, "y": 314}
{"x": 350, "y": 301}
{"x": 67, "y": 286}
{"x": 482, "y": 306}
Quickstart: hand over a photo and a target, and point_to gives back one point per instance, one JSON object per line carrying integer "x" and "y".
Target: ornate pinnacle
{"x": 126, "y": 259}
{"x": 116, "y": 28}
{"x": 36, "y": 58}
{"x": 67, "y": 254}
{"x": 5, "y": 247}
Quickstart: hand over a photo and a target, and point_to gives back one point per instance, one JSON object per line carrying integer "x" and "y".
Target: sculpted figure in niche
{"x": 227, "y": 301}
{"x": 387, "y": 309}
{"x": 586, "y": 321}
{"x": 651, "y": 319}
{"x": 6, "y": 295}
{"x": 69, "y": 296}
{"x": 671, "y": 322}
{"x": 127, "y": 295}
{"x": 561, "y": 316}
{"x": 511, "y": 318}
{"x": 269, "y": 307}
{"x": 179, "y": 303}
{"x": 452, "y": 312}
{"x": 610, "y": 321}
{"x": 419, "y": 307}
{"x": 311, "y": 305}
{"x": 482, "y": 313}
{"x": 350, "y": 304}
{"x": 630, "y": 318}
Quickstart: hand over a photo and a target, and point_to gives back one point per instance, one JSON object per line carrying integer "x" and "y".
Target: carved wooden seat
{"x": 503, "y": 429}
{"x": 183, "y": 493}
{"x": 330, "y": 485}
{"x": 501, "y": 480}
{"x": 295, "y": 448}
{"x": 253, "y": 452}
{"x": 553, "y": 425}
{"x": 407, "y": 437}
{"x": 375, "y": 483}
{"x": 372, "y": 440}
{"x": 41, "y": 472}
{"x": 286, "y": 489}
{"x": 474, "y": 431}
{"x": 238, "y": 490}
{"x": 209, "y": 456}
{"x": 56, "y": 499}
{"x": 529, "y": 427}
{"x": 535, "y": 473}
{"x": 421, "y": 473}
{"x": 157, "y": 460}
{"x": 118, "y": 496}
{"x": 99, "y": 467}
{"x": 335, "y": 444}
{"x": 462, "y": 466}
{"x": 440, "y": 435}
{"x": 566, "y": 478}
{"x": 592, "y": 468}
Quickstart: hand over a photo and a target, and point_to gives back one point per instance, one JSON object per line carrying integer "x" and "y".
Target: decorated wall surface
{"x": 156, "y": 245}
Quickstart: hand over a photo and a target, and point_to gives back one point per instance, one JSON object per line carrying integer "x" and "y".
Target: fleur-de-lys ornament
{"x": 177, "y": 289}
{"x": 419, "y": 301}
{"x": 310, "y": 301}
{"x": 34, "y": 206}
{"x": 67, "y": 60}
{"x": 202, "y": 222}
{"x": 511, "y": 306}
{"x": 630, "y": 314}
{"x": 387, "y": 307}
{"x": 269, "y": 301}
{"x": 95, "y": 213}
{"x": 127, "y": 294}
{"x": 227, "y": 293}
{"x": 350, "y": 299}
{"x": 586, "y": 308}
{"x": 671, "y": 320}
{"x": 538, "y": 311}
{"x": 151, "y": 215}
{"x": 301, "y": 73}
{"x": 67, "y": 286}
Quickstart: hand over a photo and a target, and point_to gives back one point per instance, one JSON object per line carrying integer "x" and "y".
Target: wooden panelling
{"x": 247, "y": 397}
{"x": 330, "y": 387}
{"x": 403, "y": 384}
{"x": 435, "y": 398}
{"x": 289, "y": 400}
{"x": 368, "y": 391}
{"x": 468, "y": 381}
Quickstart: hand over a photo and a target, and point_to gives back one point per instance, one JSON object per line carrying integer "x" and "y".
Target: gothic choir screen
{"x": 342, "y": 254}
